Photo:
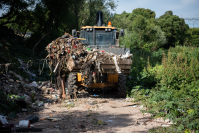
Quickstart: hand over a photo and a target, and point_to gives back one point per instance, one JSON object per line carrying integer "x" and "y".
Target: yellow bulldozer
{"x": 102, "y": 38}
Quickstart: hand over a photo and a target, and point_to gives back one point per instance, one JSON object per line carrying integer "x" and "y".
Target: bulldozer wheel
{"x": 72, "y": 87}
{"x": 122, "y": 85}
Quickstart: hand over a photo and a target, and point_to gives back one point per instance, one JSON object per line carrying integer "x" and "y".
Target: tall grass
{"x": 169, "y": 87}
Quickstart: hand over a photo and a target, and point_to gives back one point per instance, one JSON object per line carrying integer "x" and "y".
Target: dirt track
{"x": 94, "y": 114}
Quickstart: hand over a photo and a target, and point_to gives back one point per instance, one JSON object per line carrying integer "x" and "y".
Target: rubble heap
{"x": 35, "y": 94}
{"x": 67, "y": 52}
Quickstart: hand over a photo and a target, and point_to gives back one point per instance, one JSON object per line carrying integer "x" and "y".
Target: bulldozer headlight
{"x": 90, "y": 29}
{"x": 109, "y": 29}
{"x": 106, "y": 29}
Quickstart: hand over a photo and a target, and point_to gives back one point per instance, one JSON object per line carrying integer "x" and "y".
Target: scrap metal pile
{"x": 67, "y": 52}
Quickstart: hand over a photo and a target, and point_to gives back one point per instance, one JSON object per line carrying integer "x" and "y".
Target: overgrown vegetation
{"x": 48, "y": 20}
{"x": 168, "y": 85}
{"x": 165, "y": 69}
{"x": 149, "y": 33}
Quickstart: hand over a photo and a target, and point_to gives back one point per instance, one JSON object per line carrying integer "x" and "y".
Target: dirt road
{"x": 93, "y": 114}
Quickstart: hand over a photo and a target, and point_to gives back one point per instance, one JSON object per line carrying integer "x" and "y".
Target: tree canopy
{"x": 49, "y": 19}
{"x": 174, "y": 27}
{"x": 147, "y": 13}
{"x": 151, "y": 33}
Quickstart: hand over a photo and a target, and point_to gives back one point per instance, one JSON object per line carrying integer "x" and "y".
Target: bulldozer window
{"x": 89, "y": 38}
{"x": 104, "y": 38}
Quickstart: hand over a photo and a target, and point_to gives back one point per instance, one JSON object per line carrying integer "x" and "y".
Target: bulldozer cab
{"x": 100, "y": 35}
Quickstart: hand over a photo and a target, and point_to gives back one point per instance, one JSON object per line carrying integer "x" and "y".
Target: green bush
{"x": 193, "y": 38}
{"x": 170, "y": 89}
{"x": 138, "y": 77}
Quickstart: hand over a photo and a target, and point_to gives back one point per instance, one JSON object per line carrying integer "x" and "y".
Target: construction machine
{"x": 105, "y": 39}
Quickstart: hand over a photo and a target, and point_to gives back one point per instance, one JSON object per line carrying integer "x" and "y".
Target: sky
{"x": 181, "y": 8}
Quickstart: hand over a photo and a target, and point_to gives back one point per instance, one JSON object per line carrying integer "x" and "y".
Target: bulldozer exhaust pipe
{"x": 99, "y": 18}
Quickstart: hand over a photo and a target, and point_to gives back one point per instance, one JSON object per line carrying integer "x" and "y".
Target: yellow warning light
{"x": 109, "y": 23}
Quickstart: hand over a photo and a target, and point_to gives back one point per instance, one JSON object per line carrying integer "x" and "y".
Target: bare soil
{"x": 93, "y": 114}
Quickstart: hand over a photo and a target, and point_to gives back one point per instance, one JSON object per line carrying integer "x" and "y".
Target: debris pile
{"x": 27, "y": 95}
{"x": 67, "y": 52}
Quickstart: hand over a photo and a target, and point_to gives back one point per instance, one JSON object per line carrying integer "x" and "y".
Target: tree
{"x": 125, "y": 20}
{"x": 166, "y": 13}
{"x": 174, "y": 27}
{"x": 122, "y": 21}
{"x": 14, "y": 9}
{"x": 146, "y": 34}
{"x": 52, "y": 17}
{"x": 193, "y": 38}
{"x": 147, "y": 13}
{"x": 141, "y": 28}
